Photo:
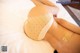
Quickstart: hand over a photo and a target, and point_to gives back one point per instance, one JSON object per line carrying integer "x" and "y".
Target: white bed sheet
{"x": 12, "y": 18}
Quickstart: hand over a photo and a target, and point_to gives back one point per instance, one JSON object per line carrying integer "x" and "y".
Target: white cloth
{"x": 13, "y": 14}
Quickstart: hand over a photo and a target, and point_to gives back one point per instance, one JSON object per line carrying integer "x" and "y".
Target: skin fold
{"x": 62, "y": 39}
{"x": 62, "y": 35}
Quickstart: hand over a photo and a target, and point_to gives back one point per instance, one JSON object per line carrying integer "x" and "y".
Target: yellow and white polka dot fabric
{"x": 38, "y": 23}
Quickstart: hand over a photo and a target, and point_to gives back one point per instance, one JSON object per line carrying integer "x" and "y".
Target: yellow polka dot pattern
{"x": 34, "y": 25}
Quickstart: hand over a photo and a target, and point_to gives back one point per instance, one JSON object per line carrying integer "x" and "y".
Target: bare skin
{"x": 48, "y": 5}
{"x": 63, "y": 40}
{"x": 45, "y": 2}
{"x": 64, "y": 37}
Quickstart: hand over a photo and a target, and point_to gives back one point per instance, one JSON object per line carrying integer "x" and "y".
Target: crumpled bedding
{"x": 12, "y": 17}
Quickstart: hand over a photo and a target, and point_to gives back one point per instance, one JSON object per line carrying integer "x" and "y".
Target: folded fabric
{"x": 38, "y": 23}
